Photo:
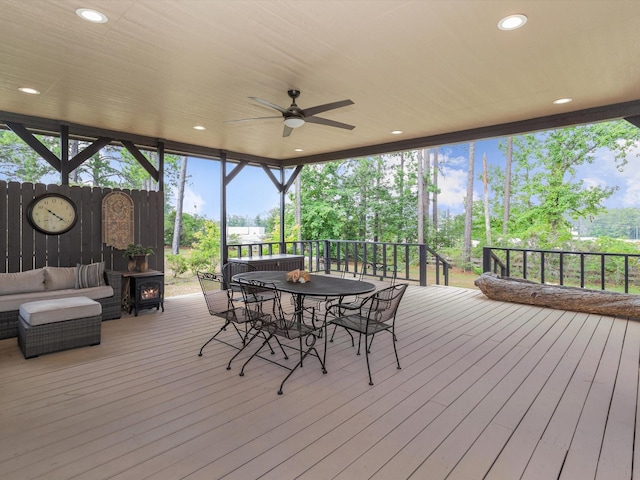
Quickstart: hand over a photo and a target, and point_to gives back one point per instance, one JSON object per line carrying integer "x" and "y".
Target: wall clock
{"x": 52, "y": 214}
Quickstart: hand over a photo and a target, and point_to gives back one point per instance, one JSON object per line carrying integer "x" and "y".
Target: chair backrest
{"x": 212, "y": 289}
{"x": 230, "y": 269}
{"x": 253, "y": 298}
{"x": 383, "y": 305}
{"x": 384, "y": 271}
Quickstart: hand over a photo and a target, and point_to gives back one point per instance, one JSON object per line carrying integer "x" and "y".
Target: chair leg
{"x": 266, "y": 341}
{"x": 371, "y": 342}
{"x": 366, "y": 354}
{"x": 324, "y": 356}
{"x": 303, "y": 355}
{"x": 335, "y": 327}
{"x": 395, "y": 350}
{"x": 212, "y": 338}
{"x": 258, "y": 332}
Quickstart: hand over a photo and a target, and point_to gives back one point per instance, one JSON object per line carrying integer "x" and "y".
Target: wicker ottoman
{"x": 53, "y": 325}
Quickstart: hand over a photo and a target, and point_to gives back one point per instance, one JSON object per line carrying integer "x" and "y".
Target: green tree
{"x": 324, "y": 214}
{"x": 18, "y": 162}
{"x": 545, "y": 193}
{"x": 206, "y": 247}
{"x": 191, "y": 224}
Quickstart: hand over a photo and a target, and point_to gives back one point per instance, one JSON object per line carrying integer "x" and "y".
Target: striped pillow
{"x": 91, "y": 275}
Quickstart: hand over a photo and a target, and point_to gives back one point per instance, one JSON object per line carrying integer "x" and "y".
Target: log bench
{"x": 576, "y": 299}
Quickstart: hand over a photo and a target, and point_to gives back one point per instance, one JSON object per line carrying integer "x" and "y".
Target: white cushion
{"x": 10, "y": 303}
{"x": 58, "y": 310}
{"x": 22, "y": 282}
{"x": 59, "y": 278}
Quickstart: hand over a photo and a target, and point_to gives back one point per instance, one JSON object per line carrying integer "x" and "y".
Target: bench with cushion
{"x": 49, "y": 283}
{"x": 48, "y": 326}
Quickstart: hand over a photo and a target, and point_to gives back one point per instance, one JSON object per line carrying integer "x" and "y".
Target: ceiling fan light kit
{"x": 295, "y": 117}
{"x": 294, "y": 122}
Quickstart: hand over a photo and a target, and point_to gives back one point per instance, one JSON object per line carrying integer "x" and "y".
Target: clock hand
{"x": 56, "y": 215}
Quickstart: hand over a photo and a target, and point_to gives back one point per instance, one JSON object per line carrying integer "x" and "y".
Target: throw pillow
{"x": 91, "y": 275}
{"x": 22, "y": 282}
{"x": 59, "y": 278}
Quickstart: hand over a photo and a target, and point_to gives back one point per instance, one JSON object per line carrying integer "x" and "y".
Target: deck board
{"x": 487, "y": 390}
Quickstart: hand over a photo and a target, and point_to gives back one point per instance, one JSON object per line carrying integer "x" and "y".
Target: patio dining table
{"x": 318, "y": 286}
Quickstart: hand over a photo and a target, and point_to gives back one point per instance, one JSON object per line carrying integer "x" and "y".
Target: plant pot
{"x": 138, "y": 263}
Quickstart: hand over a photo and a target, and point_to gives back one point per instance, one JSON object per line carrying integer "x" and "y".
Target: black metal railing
{"x": 407, "y": 261}
{"x": 592, "y": 270}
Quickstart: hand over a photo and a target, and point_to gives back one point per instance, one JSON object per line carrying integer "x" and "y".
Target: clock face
{"x": 52, "y": 213}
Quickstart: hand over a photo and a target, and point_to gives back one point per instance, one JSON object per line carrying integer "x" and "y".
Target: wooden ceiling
{"x": 440, "y": 71}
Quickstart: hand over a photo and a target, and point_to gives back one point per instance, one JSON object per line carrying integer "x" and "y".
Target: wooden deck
{"x": 487, "y": 390}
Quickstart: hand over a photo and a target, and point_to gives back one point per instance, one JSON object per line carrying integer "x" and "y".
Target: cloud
{"x": 603, "y": 172}
{"x": 193, "y": 202}
{"x": 452, "y": 180}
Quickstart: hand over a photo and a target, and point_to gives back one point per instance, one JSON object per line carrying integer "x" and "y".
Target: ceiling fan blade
{"x": 251, "y": 119}
{"x": 329, "y": 123}
{"x": 269, "y": 104}
{"x": 287, "y": 131}
{"x": 307, "y": 112}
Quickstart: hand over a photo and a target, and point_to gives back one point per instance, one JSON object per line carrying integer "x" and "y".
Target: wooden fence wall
{"x": 26, "y": 249}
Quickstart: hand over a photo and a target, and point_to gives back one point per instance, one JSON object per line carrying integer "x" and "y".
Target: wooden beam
{"x": 292, "y": 178}
{"x": 273, "y": 178}
{"x": 634, "y": 120}
{"x": 232, "y": 174}
{"x": 35, "y": 144}
{"x": 579, "y": 117}
{"x": 141, "y": 159}
{"x": 626, "y": 110}
{"x": 88, "y": 152}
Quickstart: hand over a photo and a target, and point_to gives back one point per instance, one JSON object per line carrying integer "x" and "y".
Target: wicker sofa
{"x": 58, "y": 282}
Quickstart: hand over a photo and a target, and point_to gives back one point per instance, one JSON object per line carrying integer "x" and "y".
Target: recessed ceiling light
{"x": 560, "y": 101}
{"x": 298, "y": 150}
{"x": 199, "y": 127}
{"x": 396, "y": 132}
{"x": 512, "y": 22}
{"x": 90, "y": 15}
{"x": 29, "y": 90}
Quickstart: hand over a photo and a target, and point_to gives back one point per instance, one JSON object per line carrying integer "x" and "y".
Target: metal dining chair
{"x": 374, "y": 314}
{"x": 300, "y": 325}
{"x": 367, "y": 269}
{"x": 230, "y": 269}
{"x": 220, "y": 303}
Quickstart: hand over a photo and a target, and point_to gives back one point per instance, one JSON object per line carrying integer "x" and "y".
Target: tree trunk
{"x": 426, "y": 171}
{"x": 299, "y": 206}
{"x": 507, "y": 186}
{"x": 400, "y": 237}
{"x": 177, "y": 225}
{"x": 485, "y": 182}
{"x": 434, "y": 215}
{"x": 74, "y": 151}
{"x": 553, "y": 296}
{"x": 420, "y": 197}
{"x": 468, "y": 207}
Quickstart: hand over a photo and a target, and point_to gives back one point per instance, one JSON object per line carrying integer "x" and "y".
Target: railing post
{"x": 422, "y": 260}
{"x": 486, "y": 259}
{"x": 327, "y": 257}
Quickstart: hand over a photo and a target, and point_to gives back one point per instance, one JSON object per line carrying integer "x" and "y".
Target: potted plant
{"x": 137, "y": 255}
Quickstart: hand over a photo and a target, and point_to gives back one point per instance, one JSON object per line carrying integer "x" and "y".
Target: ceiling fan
{"x": 295, "y": 116}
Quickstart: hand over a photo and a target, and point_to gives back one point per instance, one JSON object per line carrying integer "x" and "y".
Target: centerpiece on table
{"x": 138, "y": 256}
{"x": 300, "y": 276}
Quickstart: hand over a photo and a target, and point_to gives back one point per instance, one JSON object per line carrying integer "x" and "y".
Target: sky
{"x": 251, "y": 193}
